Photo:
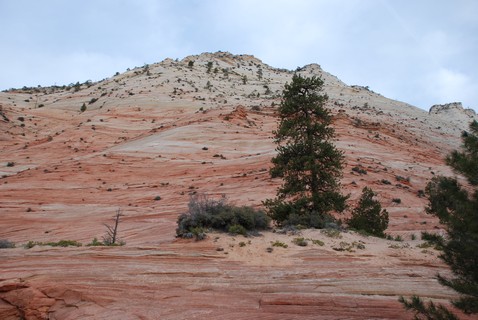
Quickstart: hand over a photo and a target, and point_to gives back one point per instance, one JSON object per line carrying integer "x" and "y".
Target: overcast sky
{"x": 422, "y": 52}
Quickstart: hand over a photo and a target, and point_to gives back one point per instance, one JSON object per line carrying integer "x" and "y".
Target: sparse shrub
{"x": 208, "y": 85}
{"x": 317, "y": 242}
{"x": 385, "y": 181}
{"x": 398, "y": 238}
{"x": 256, "y": 108}
{"x": 6, "y": 244}
{"x": 198, "y": 233}
{"x": 157, "y": 198}
{"x": 217, "y": 214}
{"x": 397, "y": 200}
{"x": 331, "y": 233}
{"x": 413, "y": 237}
{"x": 435, "y": 239}
{"x": 83, "y": 107}
{"x": 300, "y": 242}
{"x": 425, "y": 245}
{"x": 349, "y": 247}
{"x": 209, "y": 67}
{"x": 402, "y": 179}
{"x": 10, "y": 164}
{"x": 237, "y": 229}
{"x": 190, "y": 63}
{"x": 278, "y": 243}
{"x": 345, "y": 246}
{"x": 111, "y": 236}
{"x": 225, "y": 71}
{"x": 242, "y": 244}
{"x": 30, "y": 244}
{"x": 95, "y": 243}
{"x": 359, "y": 170}
{"x": 62, "y": 243}
{"x": 368, "y": 215}
{"x": 93, "y": 100}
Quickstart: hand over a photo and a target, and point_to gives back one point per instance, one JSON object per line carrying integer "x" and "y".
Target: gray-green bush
{"x": 209, "y": 213}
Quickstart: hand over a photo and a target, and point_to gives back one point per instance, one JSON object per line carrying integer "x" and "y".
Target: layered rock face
{"x": 155, "y": 135}
{"x": 454, "y": 113}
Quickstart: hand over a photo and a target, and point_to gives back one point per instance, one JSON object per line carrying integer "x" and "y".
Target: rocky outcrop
{"x": 452, "y": 109}
{"x": 454, "y": 114}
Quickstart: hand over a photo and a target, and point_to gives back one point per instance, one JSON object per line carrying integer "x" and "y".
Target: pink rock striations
{"x": 171, "y": 130}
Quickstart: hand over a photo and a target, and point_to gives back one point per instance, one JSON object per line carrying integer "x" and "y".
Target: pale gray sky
{"x": 418, "y": 51}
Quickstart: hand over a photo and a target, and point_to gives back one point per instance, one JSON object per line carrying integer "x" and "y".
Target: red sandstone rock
{"x": 73, "y": 170}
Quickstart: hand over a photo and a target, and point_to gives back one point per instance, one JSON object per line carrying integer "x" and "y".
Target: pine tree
{"x": 457, "y": 208}
{"x": 368, "y": 215}
{"x": 307, "y": 160}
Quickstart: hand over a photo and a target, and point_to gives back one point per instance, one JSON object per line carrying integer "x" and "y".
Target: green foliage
{"x": 83, "y": 107}
{"x": 428, "y": 311}
{"x": 6, "y": 244}
{"x": 190, "y": 63}
{"x": 237, "y": 229}
{"x": 306, "y": 160}
{"x": 93, "y": 100}
{"x": 209, "y": 67}
{"x": 331, "y": 233}
{"x": 317, "y": 242}
{"x": 278, "y": 243}
{"x": 259, "y": 74}
{"x": 30, "y": 244}
{"x": 217, "y": 214}
{"x": 300, "y": 242}
{"x": 349, "y": 247}
{"x": 208, "y": 85}
{"x": 368, "y": 215}
{"x": 457, "y": 209}
{"x": 359, "y": 170}
{"x": 95, "y": 243}
{"x": 466, "y": 162}
{"x": 198, "y": 233}
{"x": 434, "y": 239}
{"x": 62, "y": 243}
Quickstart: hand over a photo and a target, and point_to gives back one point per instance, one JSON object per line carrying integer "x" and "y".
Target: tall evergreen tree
{"x": 307, "y": 160}
{"x": 457, "y": 208}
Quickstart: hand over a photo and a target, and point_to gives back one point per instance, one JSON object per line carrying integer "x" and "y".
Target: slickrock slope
{"x": 171, "y": 130}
